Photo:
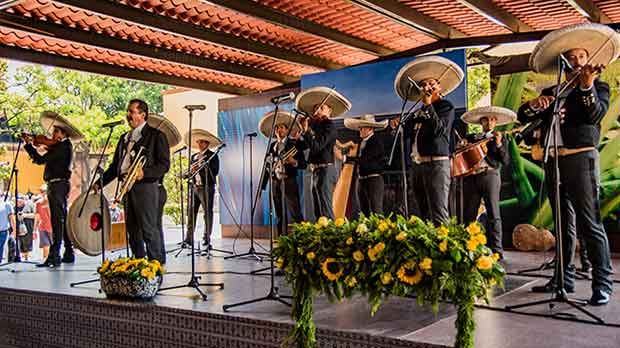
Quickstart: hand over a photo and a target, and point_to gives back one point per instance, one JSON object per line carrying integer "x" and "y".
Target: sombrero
{"x": 504, "y": 116}
{"x": 50, "y": 119}
{"x": 167, "y": 127}
{"x": 201, "y": 134}
{"x": 284, "y": 117}
{"x": 307, "y": 99}
{"x": 447, "y": 72}
{"x": 601, "y": 42}
{"x": 364, "y": 121}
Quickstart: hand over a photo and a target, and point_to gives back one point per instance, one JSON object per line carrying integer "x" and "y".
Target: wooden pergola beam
{"x": 283, "y": 19}
{"x": 405, "y": 15}
{"x": 496, "y": 14}
{"x": 192, "y": 31}
{"x": 26, "y": 55}
{"x": 589, "y": 10}
{"x": 94, "y": 39}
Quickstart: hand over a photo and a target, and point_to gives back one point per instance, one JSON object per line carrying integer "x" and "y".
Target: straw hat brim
{"x": 447, "y": 72}
{"x": 591, "y": 36}
{"x": 51, "y": 119}
{"x": 284, "y": 117}
{"x": 356, "y": 124}
{"x": 201, "y": 134}
{"x": 307, "y": 99}
{"x": 504, "y": 116}
{"x": 167, "y": 127}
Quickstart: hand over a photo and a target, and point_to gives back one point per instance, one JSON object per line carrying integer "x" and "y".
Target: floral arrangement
{"x": 130, "y": 268}
{"x": 381, "y": 257}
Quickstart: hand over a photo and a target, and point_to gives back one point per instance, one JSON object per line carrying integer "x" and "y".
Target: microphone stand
{"x": 180, "y": 181}
{"x": 98, "y": 172}
{"x": 193, "y": 281}
{"x": 14, "y": 173}
{"x": 560, "y": 295}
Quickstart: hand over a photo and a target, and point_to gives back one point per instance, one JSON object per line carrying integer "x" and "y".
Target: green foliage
{"x": 171, "y": 183}
{"x": 478, "y": 84}
{"x": 381, "y": 257}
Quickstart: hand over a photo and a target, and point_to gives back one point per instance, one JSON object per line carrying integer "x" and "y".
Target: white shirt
{"x": 130, "y": 139}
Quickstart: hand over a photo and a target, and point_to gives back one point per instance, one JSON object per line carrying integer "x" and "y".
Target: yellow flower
{"x": 481, "y": 239}
{"x": 383, "y": 226}
{"x": 473, "y": 228}
{"x": 495, "y": 257}
{"x": 305, "y": 224}
{"x": 492, "y": 281}
{"x": 146, "y": 273}
{"x": 409, "y": 274}
{"x": 331, "y": 269}
{"x": 443, "y": 231}
{"x": 322, "y": 222}
{"x": 372, "y": 254}
{"x": 339, "y": 222}
{"x": 386, "y": 278}
{"x": 350, "y": 281}
{"x": 426, "y": 264}
{"x": 358, "y": 256}
{"x": 280, "y": 262}
{"x": 379, "y": 247}
{"x": 310, "y": 256}
{"x": 104, "y": 267}
{"x": 401, "y": 236}
{"x": 414, "y": 219}
{"x": 484, "y": 262}
{"x": 361, "y": 228}
{"x": 472, "y": 244}
{"x": 443, "y": 246}
{"x": 349, "y": 240}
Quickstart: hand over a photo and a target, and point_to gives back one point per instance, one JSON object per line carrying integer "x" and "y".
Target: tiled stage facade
{"x": 38, "y": 308}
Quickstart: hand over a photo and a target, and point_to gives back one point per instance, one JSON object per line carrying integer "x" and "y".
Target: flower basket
{"x": 131, "y": 278}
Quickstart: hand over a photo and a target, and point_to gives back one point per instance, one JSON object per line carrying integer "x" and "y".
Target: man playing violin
{"x": 485, "y": 182}
{"x": 57, "y": 161}
{"x": 578, "y": 132}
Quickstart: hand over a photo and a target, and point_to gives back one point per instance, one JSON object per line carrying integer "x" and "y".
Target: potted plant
{"x": 131, "y": 278}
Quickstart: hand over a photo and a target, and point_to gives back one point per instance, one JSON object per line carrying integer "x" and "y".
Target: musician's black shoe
{"x": 599, "y": 298}
{"x": 550, "y": 287}
{"x": 49, "y": 262}
{"x": 206, "y": 242}
{"x": 68, "y": 257}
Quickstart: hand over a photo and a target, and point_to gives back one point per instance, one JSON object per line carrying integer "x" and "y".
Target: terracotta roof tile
{"x": 542, "y": 14}
{"x": 610, "y": 7}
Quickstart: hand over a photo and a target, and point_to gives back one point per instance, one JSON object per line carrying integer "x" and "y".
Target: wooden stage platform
{"x": 39, "y": 309}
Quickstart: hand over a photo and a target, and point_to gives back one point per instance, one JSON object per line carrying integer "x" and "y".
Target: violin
{"x": 39, "y": 139}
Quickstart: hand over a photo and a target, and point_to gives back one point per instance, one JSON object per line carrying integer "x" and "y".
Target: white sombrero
{"x": 50, "y": 119}
{"x": 445, "y": 71}
{"x": 201, "y": 134}
{"x": 601, "y": 42}
{"x": 364, "y": 121}
{"x": 284, "y": 118}
{"x": 307, "y": 99}
{"x": 167, "y": 127}
{"x": 504, "y": 116}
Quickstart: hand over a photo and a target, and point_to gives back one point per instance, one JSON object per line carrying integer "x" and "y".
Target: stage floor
{"x": 399, "y": 322}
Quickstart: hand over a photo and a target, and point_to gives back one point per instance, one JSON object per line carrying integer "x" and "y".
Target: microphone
{"x": 302, "y": 113}
{"x": 179, "y": 150}
{"x": 253, "y": 134}
{"x": 112, "y": 124}
{"x": 194, "y": 107}
{"x": 282, "y": 98}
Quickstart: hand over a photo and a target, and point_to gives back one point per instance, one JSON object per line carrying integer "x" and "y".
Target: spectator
{"x": 43, "y": 222}
{"x": 25, "y": 214}
{"x": 7, "y": 223}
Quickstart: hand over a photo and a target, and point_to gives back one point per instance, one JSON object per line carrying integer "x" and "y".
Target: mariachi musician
{"x": 319, "y": 135}
{"x": 429, "y": 129}
{"x": 142, "y": 200}
{"x": 204, "y": 187}
{"x": 57, "y": 161}
{"x": 370, "y": 163}
{"x": 485, "y": 182}
{"x": 288, "y": 155}
{"x": 584, "y": 102}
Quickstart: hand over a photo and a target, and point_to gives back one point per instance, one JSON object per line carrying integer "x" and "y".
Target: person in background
{"x": 26, "y": 214}
{"x": 43, "y": 222}
{"x": 7, "y": 223}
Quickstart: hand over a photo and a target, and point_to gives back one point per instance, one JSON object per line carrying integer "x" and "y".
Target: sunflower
{"x": 409, "y": 274}
{"x": 332, "y": 268}
{"x": 104, "y": 267}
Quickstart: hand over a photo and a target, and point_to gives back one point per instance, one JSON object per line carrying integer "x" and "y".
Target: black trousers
{"x": 142, "y": 221}
{"x": 580, "y": 210}
{"x": 163, "y": 197}
{"x": 322, "y": 193}
{"x": 393, "y": 194}
{"x": 202, "y": 196}
{"x": 485, "y": 186}
{"x": 286, "y": 191}
{"x": 370, "y": 193}
{"x": 57, "y": 193}
{"x": 431, "y": 186}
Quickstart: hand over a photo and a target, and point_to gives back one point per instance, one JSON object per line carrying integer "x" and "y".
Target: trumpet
{"x": 279, "y": 169}
{"x": 130, "y": 179}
